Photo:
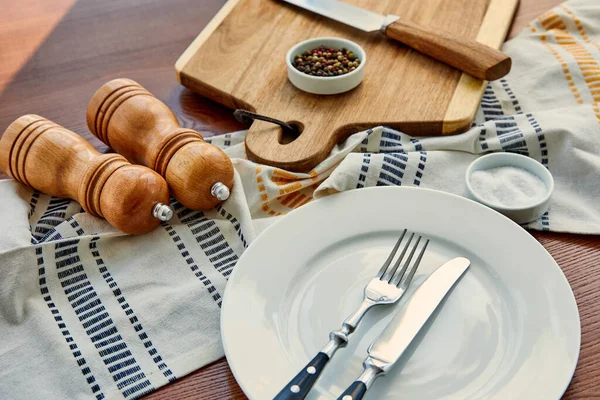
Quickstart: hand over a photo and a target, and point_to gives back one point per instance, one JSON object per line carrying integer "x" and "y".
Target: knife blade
{"x": 406, "y": 324}
{"x": 467, "y": 55}
{"x": 345, "y": 13}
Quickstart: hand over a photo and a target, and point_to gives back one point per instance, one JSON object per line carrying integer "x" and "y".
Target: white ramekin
{"x": 329, "y": 84}
{"x": 520, "y": 215}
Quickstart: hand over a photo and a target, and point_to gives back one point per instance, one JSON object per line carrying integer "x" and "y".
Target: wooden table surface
{"x": 55, "y": 54}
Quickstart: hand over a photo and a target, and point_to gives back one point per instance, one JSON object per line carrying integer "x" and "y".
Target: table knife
{"x": 404, "y": 327}
{"x": 467, "y": 55}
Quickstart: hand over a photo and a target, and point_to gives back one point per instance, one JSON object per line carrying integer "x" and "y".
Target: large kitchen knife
{"x": 406, "y": 324}
{"x": 467, "y": 55}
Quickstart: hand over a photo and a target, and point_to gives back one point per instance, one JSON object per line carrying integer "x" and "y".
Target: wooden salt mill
{"x": 134, "y": 123}
{"x": 47, "y": 157}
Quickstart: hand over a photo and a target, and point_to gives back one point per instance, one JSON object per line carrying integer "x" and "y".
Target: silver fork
{"x": 387, "y": 287}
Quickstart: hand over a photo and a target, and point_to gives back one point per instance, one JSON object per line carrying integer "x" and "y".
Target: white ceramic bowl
{"x": 520, "y": 215}
{"x": 329, "y": 84}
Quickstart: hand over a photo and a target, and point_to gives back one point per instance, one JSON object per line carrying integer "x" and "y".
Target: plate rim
{"x": 315, "y": 203}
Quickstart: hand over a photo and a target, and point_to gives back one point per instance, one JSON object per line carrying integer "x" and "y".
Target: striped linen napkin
{"x": 88, "y": 312}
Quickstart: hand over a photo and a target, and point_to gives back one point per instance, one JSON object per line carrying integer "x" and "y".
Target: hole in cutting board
{"x": 286, "y": 136}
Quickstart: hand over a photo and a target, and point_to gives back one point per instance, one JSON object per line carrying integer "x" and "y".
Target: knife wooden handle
{"x": 467, "y": 55}
{"x": 137, "y": 125}
{"x": 47, "y": 157}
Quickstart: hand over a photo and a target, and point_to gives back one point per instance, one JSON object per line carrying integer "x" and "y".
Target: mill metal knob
{"x": 47, "y": 157}
{"x": 140, "y": 127}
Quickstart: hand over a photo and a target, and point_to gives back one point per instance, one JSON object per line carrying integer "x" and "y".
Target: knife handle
{"x": 356, "y": 391}
{"x": 467, "y": 55}
{"x": 358, "y": 388}
{"x": 300, "y": 385}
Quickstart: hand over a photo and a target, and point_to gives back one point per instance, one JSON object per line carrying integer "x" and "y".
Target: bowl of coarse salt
{"x": 514, "y": 185}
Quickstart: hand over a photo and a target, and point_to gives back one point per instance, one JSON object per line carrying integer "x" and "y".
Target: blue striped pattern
{"x": 544, "y": 160}
{"x": 192, "y": 264}
{"x": 420, "y": 168}
{"x": 392, "y": 169}
{"x": 490, "y": 105}
{"x": 79, "y": 359}
{"x": 223, "y": 141}
{"x": 209, "y": 237}
{"x": 545, "y": 221}
{"x": 482, "y": 139}
{"x": 541, "y": 138}
{"x": 51, "y": 236}
{"x": 234, "y": 222}
{"x": 133, "y": 319}
{"x": 75, "y": 226}
{"x": 510, "y": 136}
{"x": 390, "y": 141}
{"x": 365, "y": 142}
{"x": 363, "y": 170}
{"x": 52, "y": 217}
{"x": 33, "y": 203}
{"x": 492, "y": 109}
{"x": 511, "y": 95}
{"x": 98, "y": 324}
{"x": 417, "y": 144}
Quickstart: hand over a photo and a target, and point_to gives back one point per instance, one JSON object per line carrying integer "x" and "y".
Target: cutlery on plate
{"x": 387, "y": 287}
{"x": 470, "y": 56}
{"x": 404, "y": 327}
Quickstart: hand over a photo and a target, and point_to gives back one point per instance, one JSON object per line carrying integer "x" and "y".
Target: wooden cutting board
{"x": 238, "y": 60}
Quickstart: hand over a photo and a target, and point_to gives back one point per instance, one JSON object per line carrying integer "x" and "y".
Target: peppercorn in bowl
{"x": 326, "y": 65}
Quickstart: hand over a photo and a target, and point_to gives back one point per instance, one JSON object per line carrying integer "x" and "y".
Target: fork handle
{"x": 300, "y": 385}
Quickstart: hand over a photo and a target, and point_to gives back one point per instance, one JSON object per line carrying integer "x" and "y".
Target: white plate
{"x": 509, "y": 330}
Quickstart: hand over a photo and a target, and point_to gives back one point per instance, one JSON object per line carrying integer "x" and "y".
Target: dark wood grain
{"x": 213, "y": 382}
{"x": 100, "y": 40}
{"x": 23, "y": 26}
{"x": 579, "y": 258}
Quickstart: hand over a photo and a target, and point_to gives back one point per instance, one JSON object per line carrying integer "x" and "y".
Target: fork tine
{"x": 387, "y": 263}
{"x": 394, "y": 279}
{"x": 412, "y": 271}
{"x": 389, "y": 275}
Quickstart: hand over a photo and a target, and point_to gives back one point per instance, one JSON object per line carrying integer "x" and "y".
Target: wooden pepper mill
{"x": 47, "y": 157}
{"x": 137, "y": 125}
